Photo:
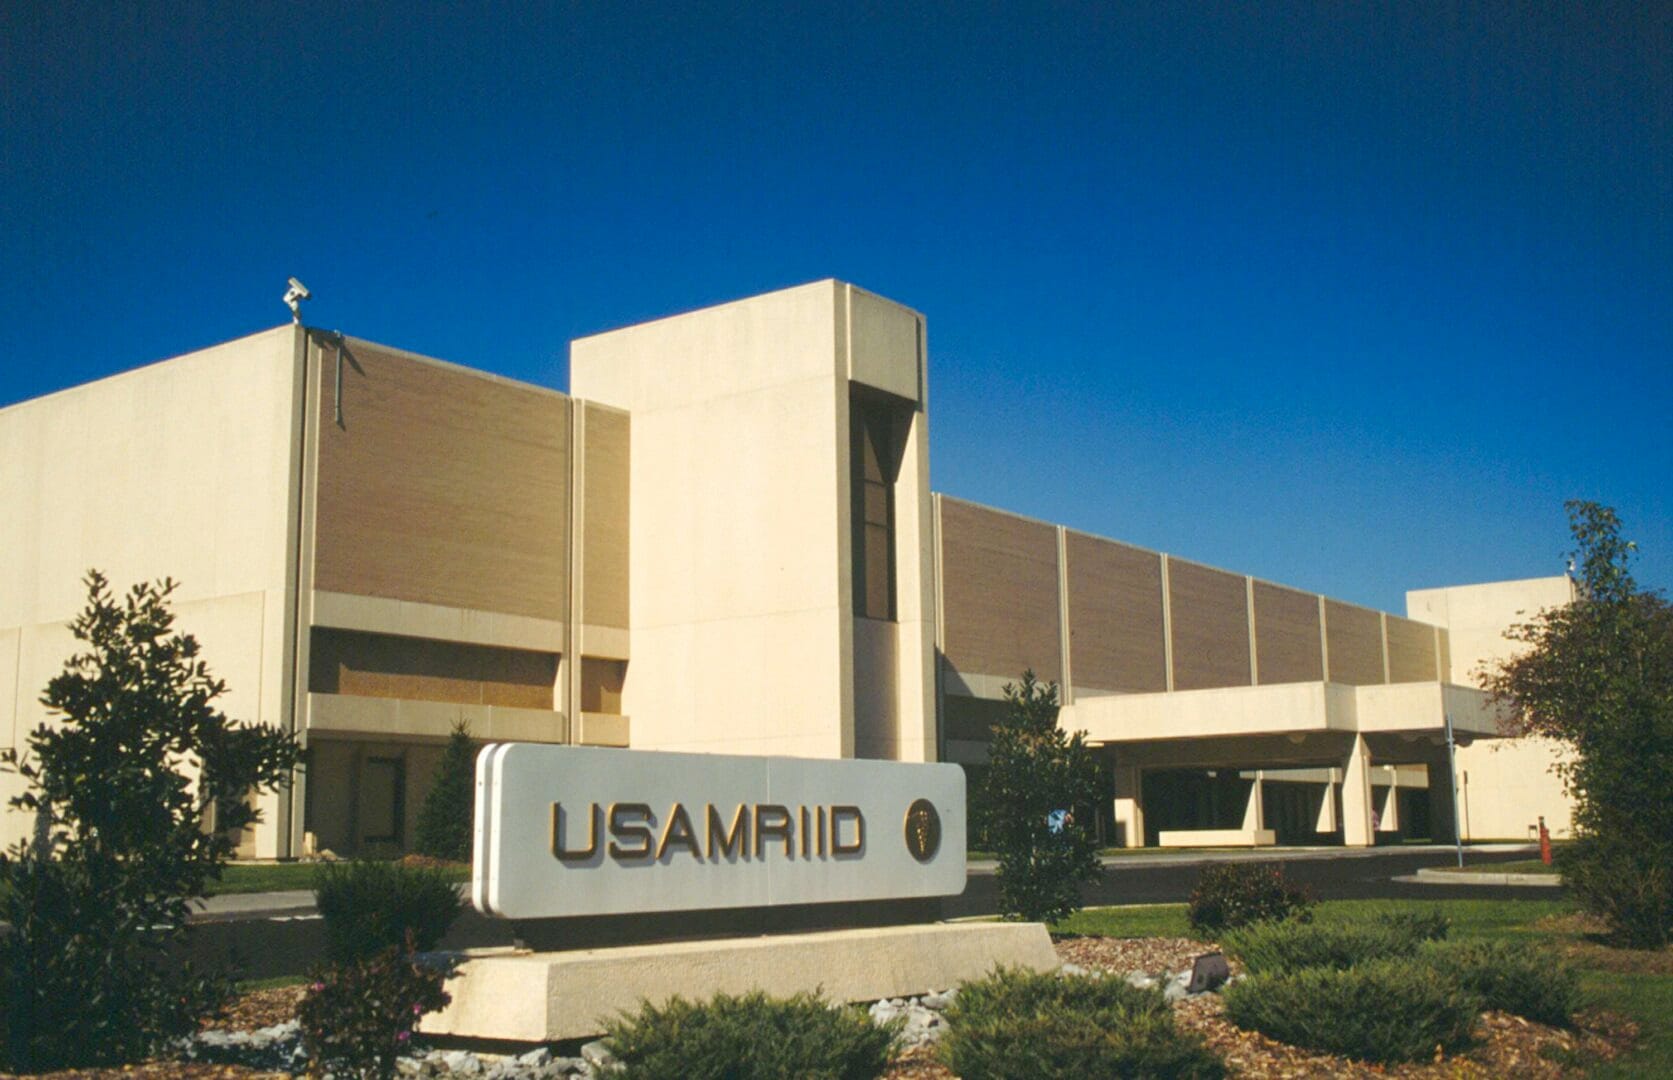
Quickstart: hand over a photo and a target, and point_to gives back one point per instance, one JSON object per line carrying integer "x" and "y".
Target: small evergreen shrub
{"x": 1277, "y": 947}
{"x": 446, "y": 818}
{"x": 1532, "y": 985}
{"x": 357, "y": 1017}
{"x": 1016, "y": 1024}
{"x": 372, "y": 906}
{"x": 1230, "y": 895}
{"x": 1384, "y": 1010}
{"x": 1418, "y": 926}
{"x": 753, "y": 1037}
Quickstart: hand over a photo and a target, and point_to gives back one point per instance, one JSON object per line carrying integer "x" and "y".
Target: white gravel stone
{"x": 461, "y": 1063}
{"x": 597, "y": 1054}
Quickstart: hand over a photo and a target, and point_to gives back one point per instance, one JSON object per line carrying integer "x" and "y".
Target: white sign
{"x": 575, "y": 830}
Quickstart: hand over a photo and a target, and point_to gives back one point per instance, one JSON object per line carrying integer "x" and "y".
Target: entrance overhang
{"x": 1290, "y": 713}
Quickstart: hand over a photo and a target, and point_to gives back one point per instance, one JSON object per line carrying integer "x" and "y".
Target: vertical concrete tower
{"x": 783, "y": 597}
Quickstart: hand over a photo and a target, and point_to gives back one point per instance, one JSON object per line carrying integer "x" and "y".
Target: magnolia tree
{"x": 1037, "y": 777}
{"x": 138, "y": 788}
{"x": 1597, "y": 675}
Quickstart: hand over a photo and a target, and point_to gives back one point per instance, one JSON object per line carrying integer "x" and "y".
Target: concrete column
{"x": 1388, "y": 809}
{"x": 1356, "y": 796}
{"x": 1254, "y": 815}
{"x": 1326, "y": 822}
{"x": 1440, "y": 801}
{"x": 1129, "y": 804}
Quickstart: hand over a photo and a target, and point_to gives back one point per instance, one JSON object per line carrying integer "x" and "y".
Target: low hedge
{"x": 1016, "y": 1024}
{"x": 1533, "y": 985}
{"x": 753, "y": 1037}
{"x": 1379, "y": 1010}
{"x": 1272, "y": 947}
{"x": 1230, "y": 895}
{"x": 372, "y": 906}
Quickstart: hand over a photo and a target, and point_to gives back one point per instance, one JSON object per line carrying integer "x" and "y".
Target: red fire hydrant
{"x": 1544, "y": 842}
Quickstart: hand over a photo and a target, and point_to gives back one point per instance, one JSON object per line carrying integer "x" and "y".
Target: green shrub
{"x": 1016, "y": 1024}
{"x": 1033, "y": 804}
{"x": 1275, "y": 947}
{"x": 372, "y": 906}
{"x": 1509, "y": 978}
{"x": 357, "y": 1017}
{"x": 1626, "y": 881}
{"x": 1230, "y": 895}
{"x": 753, "y": 1037}
{"x": 86, "y": 978}
{"x": 1384, "y": 1010}
{"x": 1417, "y": 926}
{"x": 446, "y": 819}
{"x": 98, "y": 899}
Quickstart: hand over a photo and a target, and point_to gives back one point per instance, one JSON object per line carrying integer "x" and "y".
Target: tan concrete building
{"x": 724, "y": 540}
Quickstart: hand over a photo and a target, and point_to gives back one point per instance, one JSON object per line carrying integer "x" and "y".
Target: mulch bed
{"x": 1506, "y": 1046}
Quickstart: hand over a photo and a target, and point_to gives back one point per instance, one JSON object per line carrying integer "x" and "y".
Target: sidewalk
{"x": 1483, "y": 877}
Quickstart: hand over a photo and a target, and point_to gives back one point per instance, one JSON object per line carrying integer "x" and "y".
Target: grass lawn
{"x": 285, "y": 877}
{"x": 1634, "y": 984}
{"x": 1520, "y": 866}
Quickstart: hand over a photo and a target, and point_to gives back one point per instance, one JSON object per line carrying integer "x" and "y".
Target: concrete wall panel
{"x": 441, "y": 486}
{"x": 181, "y": 469}
{"x": 1507, "y": 785}
{"x": 738, "y": 523}
{"x": 1115, "y": 616}
{"x": 1475, "y": 617}
{"x": 883, "y": 350}
{"x": 1356, "y": 643}
{"x": 604, "y": 548}
{"x": 1287, "y": 643}
{"x": 1210, "y": 615}
{"x": 999, "y": 592}
{"x": 1411, "y": 651}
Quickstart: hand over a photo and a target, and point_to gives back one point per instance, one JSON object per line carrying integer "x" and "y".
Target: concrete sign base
{"x": 546, "y": 997}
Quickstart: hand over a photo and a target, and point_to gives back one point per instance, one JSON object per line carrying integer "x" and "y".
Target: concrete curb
{"x": 1482, "y": 877}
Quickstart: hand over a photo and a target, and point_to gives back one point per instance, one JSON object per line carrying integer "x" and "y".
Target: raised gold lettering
{"x": 733, "y": 841}
{"x": 572, "y": 855}
{"x": 678, "y": 833}
{"x": 623, "y": 828}
{"x": 839, "y": 814}
{"x": 773, "y": 820}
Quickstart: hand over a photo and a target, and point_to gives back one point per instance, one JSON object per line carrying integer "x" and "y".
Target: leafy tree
{"x": 445, "y": 821}
{"x": 1038, "y": 777}
{"x": 1598, "y": 676}
{"x": 127, "y": 839}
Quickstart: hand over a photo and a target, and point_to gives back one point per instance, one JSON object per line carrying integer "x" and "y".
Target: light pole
{"x": 1452, "y": 779}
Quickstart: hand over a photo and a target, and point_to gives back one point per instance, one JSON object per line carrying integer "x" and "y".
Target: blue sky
{"x": 1351, "y": 297}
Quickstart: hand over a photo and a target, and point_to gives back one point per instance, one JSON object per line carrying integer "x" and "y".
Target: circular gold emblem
{"x": 923, "y": 830}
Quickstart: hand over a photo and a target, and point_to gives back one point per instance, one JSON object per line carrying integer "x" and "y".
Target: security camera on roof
{"x": 294, "y": 296}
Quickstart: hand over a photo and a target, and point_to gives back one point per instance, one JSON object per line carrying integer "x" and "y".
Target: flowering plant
{"x": 358, "y": 1017}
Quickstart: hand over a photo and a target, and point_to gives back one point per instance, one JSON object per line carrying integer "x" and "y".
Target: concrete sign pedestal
{"x": 546, "y": 997}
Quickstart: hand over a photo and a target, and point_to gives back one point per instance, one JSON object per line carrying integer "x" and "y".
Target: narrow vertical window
{"x": 873, "y": 463}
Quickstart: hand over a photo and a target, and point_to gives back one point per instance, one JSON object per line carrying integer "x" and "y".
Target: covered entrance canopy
{"x": 1355, "y": 747}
